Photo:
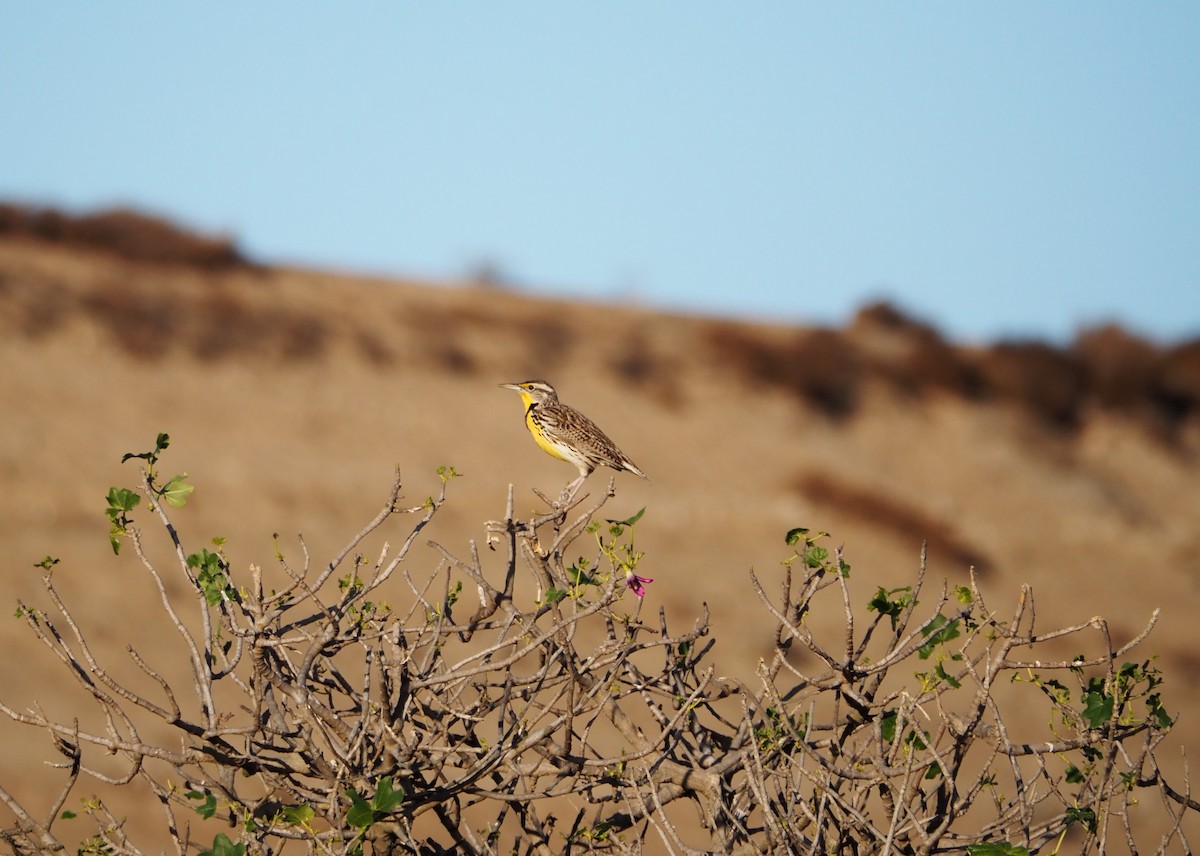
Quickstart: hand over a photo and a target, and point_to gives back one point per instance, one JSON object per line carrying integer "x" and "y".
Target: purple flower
{"x": 637, "y": 584}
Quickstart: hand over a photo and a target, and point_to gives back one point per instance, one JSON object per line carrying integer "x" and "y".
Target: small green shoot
{"x": 811, "y": 554}
{"x": 121, "y": 501}
{"x": 151, "y": 457}
{"x": 208, "y": 803}
{"x": 212, "y": 575}
{"x": 885, "y": 603}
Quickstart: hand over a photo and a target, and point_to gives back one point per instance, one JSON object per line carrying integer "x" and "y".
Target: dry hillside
{"x": 290, "y": 395}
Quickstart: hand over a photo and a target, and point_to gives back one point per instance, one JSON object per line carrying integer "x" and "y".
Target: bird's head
{"x": 533, "y": 391}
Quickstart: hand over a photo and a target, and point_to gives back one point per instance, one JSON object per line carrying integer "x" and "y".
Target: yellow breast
{"x": 542, "y": 439}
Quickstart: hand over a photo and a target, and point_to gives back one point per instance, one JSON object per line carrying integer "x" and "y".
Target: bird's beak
{"x": 515, "y": 386}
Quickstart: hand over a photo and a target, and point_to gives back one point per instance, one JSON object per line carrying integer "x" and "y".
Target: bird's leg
{"x": 568, "y": 492}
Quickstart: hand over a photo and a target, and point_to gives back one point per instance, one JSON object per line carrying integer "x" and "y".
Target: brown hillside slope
{"x": 290, "y": 395}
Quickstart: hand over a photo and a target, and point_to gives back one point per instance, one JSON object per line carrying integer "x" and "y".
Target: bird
{"x": 567, "y": 434}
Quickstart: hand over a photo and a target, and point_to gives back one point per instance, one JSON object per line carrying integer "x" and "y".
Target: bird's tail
{"x": 635, "y": 469}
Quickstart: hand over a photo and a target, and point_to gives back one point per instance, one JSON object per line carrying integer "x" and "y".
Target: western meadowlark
{"x": 566, "y": 433}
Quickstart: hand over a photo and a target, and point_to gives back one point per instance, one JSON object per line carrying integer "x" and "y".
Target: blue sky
{"x": 1015, "y": 169}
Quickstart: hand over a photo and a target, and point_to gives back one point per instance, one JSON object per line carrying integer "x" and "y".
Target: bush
{"x": 320, "y": 717}
{"x": 1047, "y": 382}
{"x": 819, "y": 367}
{"x": 123, "y": 232}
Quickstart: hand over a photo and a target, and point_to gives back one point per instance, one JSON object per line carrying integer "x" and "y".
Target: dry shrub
{"x": 891, "y": 515}
{"x": 46, "y": 223}
{"x": 1177, "y": 386}
{"x": 819, "y": 366}
{"x": 920, "y": 360}
{"x": 637, "y": 364}
{"x": 1119, "y": 367}
{"x": 220, "y": 326}
{"x": 374, "y": 349}
{"x": 517, "y": 700}
{"x": 302, "y": 336}
{"x": 123, "y": 232}
{"x": 143, "y": 324}
{"x": 437, "y": 336}
{"x": 224, "y": 326}
{"x": 454, "y": 359}
{"x": 1047, "y": 382}
{"x": 932, "y": 363}
{"x": 32, "y": 309}
{"x": 887, "y": 316}
{"x": 549, "y": 339}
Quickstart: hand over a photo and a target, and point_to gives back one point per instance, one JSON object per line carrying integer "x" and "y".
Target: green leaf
{"x": 630, "y": 521}
{"x": 1162, "y": 719}
{"x": 941, "y": 673}
{"x": 554, "y": 595}
{"x": 209, "y": 806}
{"x": 121, "y": 500}
{"x": 963, "y": 595}
{"x": 160, "y": 444}
{"x": 386, "y": 798}
{"x": 298, "y": 815}
{"x": 46, "y": 563}
{"x": 212, "y": 576}
{"x": 1074, "y": 774}
{"x": 794, "y": 535}
{"x": 222, "y": 846}
{"x": 177, "y": 491}
{"x": 887, "y": 726}
{"x": 885, "y": 604}
{"x": 67, "y": 815}
{"x": 1082, "y": 815}
{"x": 1098, "y": 709}
{"x": 938, "y": 631}
{"x": 205, "y": 560}
{"x": 579, "y": 576}
{"x": 361, "y": 814}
